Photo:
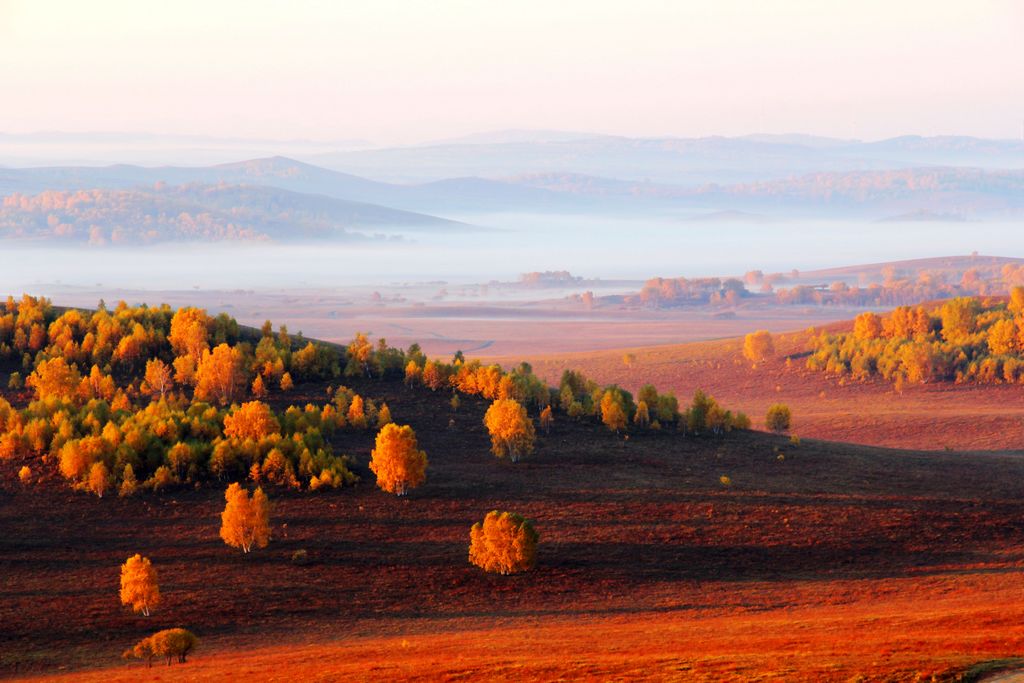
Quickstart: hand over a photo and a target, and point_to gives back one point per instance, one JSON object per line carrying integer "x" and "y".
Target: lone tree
{"x": 546, "y": 419}
{"x": 397, "y": 460}
{"x": 170, "y": 643}
{"x": 778, "y": 418}
{"x": 505, "y": 543}
{"x": 758, "y": 346}
{"x": 511, "y": 430}
{"x": 245, "y": 521}
{"x": 139, "y": 588}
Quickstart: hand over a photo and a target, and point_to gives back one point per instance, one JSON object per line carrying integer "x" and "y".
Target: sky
{"x": 403, "y": 72}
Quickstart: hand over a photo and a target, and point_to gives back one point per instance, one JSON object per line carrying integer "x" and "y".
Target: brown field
{"x": 935, "y": 416}
{"x": 829, "y": 562}
{"x": 481, "y": 328}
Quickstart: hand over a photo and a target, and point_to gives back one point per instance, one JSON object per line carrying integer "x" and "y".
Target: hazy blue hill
{"x": 676, "y": 161}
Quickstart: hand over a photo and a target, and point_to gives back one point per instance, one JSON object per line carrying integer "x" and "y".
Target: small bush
{"x": 779, "y": 418}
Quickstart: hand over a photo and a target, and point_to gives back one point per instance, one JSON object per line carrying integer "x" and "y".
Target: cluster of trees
{"x": 662, "y": 292}
{"x": 169, "y": 644}
{"x": 151, "y": 397}
{"x": 143, "y": 397}
{"x": 965, "y": 339}
{"x": 897, "y": 287}
{"x": 618, "y": 409}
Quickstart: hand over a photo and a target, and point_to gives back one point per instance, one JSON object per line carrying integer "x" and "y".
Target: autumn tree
{"x": 642, "y": 418}
{"x": 245, "y": 521}
{"x": 432, "y": 376}
{"x": 361, "y": 359}
{"x": 412, "y": 373}
{"x": 959, "y": 319}
{"x": 189, "y": 332}
{"x": 397, "y": 460}
{"x": 129, "y": 484}
{"x": 99, "y": 479}
{"x": 505, "y": 543}
{"x": 259, "y": 389}
{"x": 758, "y": 346}
{"x": 1016, "y": 305}
{"x": 546, "y": 419}
{"x": 1003, "y": 337}
{"x": 220, "y": 375}
{"x": 54, "y": 379}
{"x": 778, "y": 418}
{"x": 139, "y": 588}
{"x": 159, "y": 378}
{"x": 867, "y": 325}
{"x": 384, "y": 415}
{"x": 169, "y": 644}
{"x": 511, "y": 430}
{"x": 613, "y": 414}
{"x": 253, "y": 420}
{"x": 357, "y": 412}
{"x": 286, "y": 382}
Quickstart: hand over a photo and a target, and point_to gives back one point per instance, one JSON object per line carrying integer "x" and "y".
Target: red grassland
{"x": 935, "y": 416}
{"x": 828, "y": 562}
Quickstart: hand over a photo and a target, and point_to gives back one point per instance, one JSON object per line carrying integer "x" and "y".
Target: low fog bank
{"x": 593, "y": 247}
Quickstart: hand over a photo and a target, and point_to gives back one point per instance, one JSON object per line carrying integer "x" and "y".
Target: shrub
{"x": 758, "y": 346}
{"x": 778, "y": 418}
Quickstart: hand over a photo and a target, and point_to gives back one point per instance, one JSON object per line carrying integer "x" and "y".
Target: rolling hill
{"x": 201, "y": 212}
{"x": 910, "y": 560}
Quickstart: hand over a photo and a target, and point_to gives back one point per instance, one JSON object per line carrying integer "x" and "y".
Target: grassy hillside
{"x": 827, "y": 541}
{"x": 932, "y": 416}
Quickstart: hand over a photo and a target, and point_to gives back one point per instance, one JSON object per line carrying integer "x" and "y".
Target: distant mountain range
{"x": 460, "y": 182}
{"x": 675, "y": 161}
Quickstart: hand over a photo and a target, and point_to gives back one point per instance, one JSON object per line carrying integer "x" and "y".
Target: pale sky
{"x": 391, "y": 71}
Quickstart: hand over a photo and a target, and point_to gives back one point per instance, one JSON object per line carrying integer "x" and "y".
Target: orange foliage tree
{"x": 867, "y": 326}
{"x": 220, "y": 375}
{"x": 397, "y": 460}
{"x": 546, "y": 419}
{"x": 54, "y": 378}
{"x": 245, "y": 521}
{"x": 253, "y": 420}
{"x": 758, "y": 346}
{"x": 613, "y": 415}
{"x": 189, "y": 332}
{"x": 511, "y": 430}
{"x": 505, "y": 543}
{"x": 139, "y": 588}
{"x": 159, "y": 378}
